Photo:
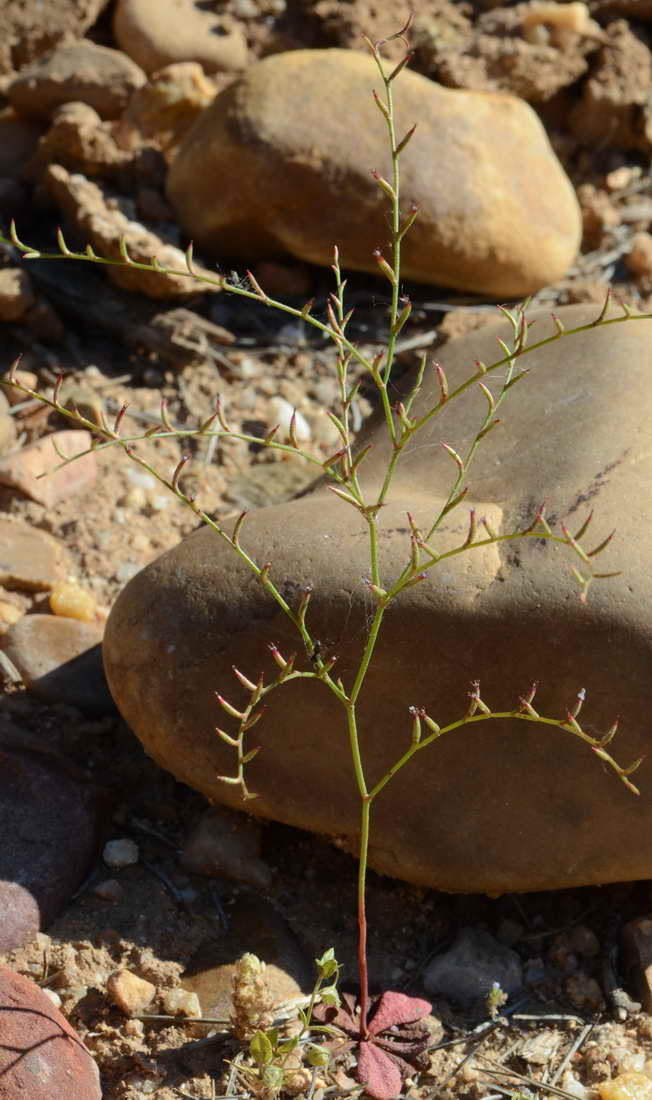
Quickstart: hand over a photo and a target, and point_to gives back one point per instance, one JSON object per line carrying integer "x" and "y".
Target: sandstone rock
{"x": 273, "y": 151}
{"x": 26, "y": 378}
{"x": 16, "y": 293}
{"x": 76, "y": 71}
{"x": 7, "y": 424}
{"x": 80, "y": 141}
{"x": 129, "y": 992}
{"x": 41, "y": 1056}
{"x": 156, "y": 33}
{"x": 513, "y": 807}
{"x": 531, "y": 50}
{"x": 255, "y": 926}
{"x": 30, "y": 29}
{"x": 30, "y": 559}
{"x": 584, "y": 993}
{"x": 100, "y": 220}
{"x": 616, "y": 103}
{"x": 469, "y": 969}
{"x": 49, "y": 836}
{"x": 225, "y": 843}
{"x": 21, "y": 471}
{"x": 60, "y": 661}
{"x": 9, "y": 614}
{"x": 164, "y": 109}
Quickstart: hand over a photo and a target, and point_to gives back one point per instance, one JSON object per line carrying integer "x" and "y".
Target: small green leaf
{"x": 288, "y": 1045}
{"x": 260, "y": 1048}
{"x": 317, "y": 1056}
{"x": 272, "y": 1077}
{"x": 330, "y": 996}
{"x": 327, "y": 965}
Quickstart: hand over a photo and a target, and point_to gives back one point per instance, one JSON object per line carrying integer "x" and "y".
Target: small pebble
{"x": 9, "y": 614}
{"x": 584, "y": 941}
{"x": 140, "y": 478}
{"x": 639, "y": 258}
{"x": 134, "y": 498}
{"x": 109, "y": 890}
{"x": 54, "y": 996}
{"x": 126, "y": 570}
{"x": 120, "y": 853}
{"x": 181, "y": 1002}
{"x": 632, "y": 1062}
{"x": 280, "y": 412}
{"x": 129, "y": 992}
{"x": 71, "y": 601}
{"x": 627, "y": 1086}
{"x": 141, "y": 542}
{"x": 621, "y": 177}
{"x": 584, "y": 993}
{"x": 574, "y": 1086}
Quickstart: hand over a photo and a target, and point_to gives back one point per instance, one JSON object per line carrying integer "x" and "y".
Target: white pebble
{"x": 120, "y": 853}
{"x": 572, "y": 1084}
{"x": 140, "y": 478}
{"x": 181, "y": 1002}
{"x": 632, "y": 1062}
{"x": 159, "y": 503}
{"x": 126, "y": 570}
{"x": 54, "y": 997}
{"x": 281, "y": 412}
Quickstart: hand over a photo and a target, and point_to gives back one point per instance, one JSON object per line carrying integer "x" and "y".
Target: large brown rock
{"x": 504, "y": 807}
{"x": 299, "y": 134}
{"x": 96, "y": 214}
{"x": 77, "y": 71}
{"x": 30, "y": 27}
{"x": 50, "y": 818}
{"x": 59, "y": 660}
{"x": 616, "y": 104}
{"x": 164, "y": 109}
{"x": 156, "y": 33}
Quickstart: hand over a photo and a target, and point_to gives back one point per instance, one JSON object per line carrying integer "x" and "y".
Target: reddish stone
{"x": 49, "y": 830}
{"x": 21, "y": 471}
{"x": 41, "y": 1056}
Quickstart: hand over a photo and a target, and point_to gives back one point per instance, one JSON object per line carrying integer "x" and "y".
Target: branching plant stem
{"x": 341, "y": 471}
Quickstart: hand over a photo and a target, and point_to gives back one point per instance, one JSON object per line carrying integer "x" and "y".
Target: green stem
{"x": 370, "y": 645}
{"x": 470, "y": 720}
{"x": 363, "y": 971}
{"x": 396, "y": 233}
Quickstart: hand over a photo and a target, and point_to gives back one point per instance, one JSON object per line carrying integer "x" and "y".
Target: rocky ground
{"x": 182, "y": 896}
